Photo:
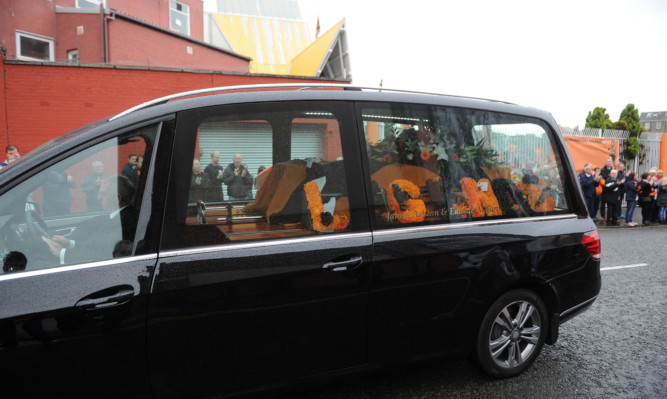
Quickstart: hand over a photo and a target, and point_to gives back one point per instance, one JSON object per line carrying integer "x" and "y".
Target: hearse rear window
{"x": 440, "y": 165}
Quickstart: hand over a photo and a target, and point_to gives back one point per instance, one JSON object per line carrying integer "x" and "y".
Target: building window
{"x": 89, "y": 3}
{"x": 33, "y": 48}
{"x": 647, "y": 125}
{"x": 73, "y": 56}
{"x": 658, "y": 126}
{"x": 179, "y": 17}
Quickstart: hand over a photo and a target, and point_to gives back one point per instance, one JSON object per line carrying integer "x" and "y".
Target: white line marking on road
{"x": 623, "y": 267}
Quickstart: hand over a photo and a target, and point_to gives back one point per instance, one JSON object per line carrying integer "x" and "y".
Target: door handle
{"x": 118, "y": 296}
{"x": 347, "y": 264}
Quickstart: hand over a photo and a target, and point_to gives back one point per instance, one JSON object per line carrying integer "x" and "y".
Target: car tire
{"x": 511, "y": 334}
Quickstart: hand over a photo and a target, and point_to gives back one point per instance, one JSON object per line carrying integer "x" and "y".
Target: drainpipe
{"x": 105, "y": 31}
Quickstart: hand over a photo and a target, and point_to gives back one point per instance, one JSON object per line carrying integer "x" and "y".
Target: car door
{"x": 72, "y": 323}
{"x": 272, "y": 284}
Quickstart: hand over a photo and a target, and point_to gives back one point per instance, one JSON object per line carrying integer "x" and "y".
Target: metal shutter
{"x": 254, "y": 141}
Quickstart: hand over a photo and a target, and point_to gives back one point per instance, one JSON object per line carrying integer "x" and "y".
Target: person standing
{"x": 238, "y": 179}
{"x": 588, "y": 181}
{"x": 91, "y": 186}
{"x": 130, "y": 169}
{"x": 631, "y": 188}
{"x": 661, "y": 202}
{"x": 12, "y": 153}
{"x": 605, "y": 172}
{"x": 610, "y": 196}
{"x": 646, "y": 198}
{"x": 621, "y": 187}
{"x": 213, "y": 172}
{"x": 197, "y": 183}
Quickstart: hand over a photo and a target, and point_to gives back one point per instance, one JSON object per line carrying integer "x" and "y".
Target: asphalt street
{"x": 616, "y": 349}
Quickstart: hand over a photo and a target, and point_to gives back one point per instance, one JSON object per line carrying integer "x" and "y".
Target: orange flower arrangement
{"x": 386, "y": 158}
{"x": 489, "y": 200}
{"x": 481, "y": 202}
{"x": 415, "y": 210}
{"x": 533, "y": 192}
{"x": 470, "y": 190}
{"x": 425, "y": 155}
{"x": 316, "y": 208}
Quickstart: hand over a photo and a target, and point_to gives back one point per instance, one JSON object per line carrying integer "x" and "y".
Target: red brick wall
{"x": 39, "y": 17}
{"x": 89, "y": 44}
{"x": 135, "y": 45}
{"x": 157, "y": 12}
{"x": 35, "y": 17}
{"x": 41, "y": 102}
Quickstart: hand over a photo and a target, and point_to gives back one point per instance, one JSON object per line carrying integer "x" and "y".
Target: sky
{"x": 566, "y": 57}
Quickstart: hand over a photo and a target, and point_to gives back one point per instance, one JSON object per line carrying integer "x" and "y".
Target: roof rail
{"x": 298, "y": 86}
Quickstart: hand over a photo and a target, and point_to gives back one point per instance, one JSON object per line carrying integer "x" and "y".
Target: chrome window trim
{"x": 466, "y": 225}
{"x": 262, "y": 244}
{"x": 82, "y": 266}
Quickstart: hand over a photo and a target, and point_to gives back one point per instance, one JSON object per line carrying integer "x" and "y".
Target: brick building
{"x": 67, "y": 63}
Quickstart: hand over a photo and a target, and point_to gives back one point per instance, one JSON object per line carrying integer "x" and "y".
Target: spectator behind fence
{"x": 605, "y": 172}
{"x": 611, "y": 196}
{"x": 588, "y": 180}
{"x": 646, "y": 194}
{"x": 631, "y": 188}
{"x": 621, "y": 177}
{"x": 662, "y": 201}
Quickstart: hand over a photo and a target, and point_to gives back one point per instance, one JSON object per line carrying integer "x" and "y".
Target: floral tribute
{"x": 322, "y": 221}
{"x": 535, "y": 190}
{"x": 404, "y": 201}
{"x": 480, "y": 202}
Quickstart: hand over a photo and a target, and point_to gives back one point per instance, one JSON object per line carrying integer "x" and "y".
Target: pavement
{"x": 636, "y": 218}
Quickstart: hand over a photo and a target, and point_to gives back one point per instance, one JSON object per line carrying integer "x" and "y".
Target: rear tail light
{"x": 591, "y": 241}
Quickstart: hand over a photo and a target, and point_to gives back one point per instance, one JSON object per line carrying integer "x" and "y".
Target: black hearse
{"x": 267, "y": 234}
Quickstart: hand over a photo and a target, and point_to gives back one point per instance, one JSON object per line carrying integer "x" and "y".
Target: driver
{"x": 98, "y": 243}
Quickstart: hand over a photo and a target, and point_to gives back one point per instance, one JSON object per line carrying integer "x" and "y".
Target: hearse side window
{"x": 447, "y": 165}
{"x": 81, "y": 209}
{"x": 266, "y": 175}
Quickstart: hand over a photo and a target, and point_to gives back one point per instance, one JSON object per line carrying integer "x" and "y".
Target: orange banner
{"x": 595, "y": 150}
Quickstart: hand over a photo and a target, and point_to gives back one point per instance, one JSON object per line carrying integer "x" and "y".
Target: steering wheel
{"x": 36, "y": 225}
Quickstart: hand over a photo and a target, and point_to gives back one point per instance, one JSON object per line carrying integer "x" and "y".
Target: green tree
{"x": 629, "y": 120}
{"x": 599, "y": 119}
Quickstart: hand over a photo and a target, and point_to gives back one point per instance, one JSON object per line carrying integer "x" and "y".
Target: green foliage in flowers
{"x": 418, "y": 145}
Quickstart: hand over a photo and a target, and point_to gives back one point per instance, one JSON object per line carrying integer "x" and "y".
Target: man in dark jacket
{"x": 213, "y": 172}
{"x": 238, "y": 179}
{"x": 605, "y": 172}
{"x": 588, "y": 182}
{"x": 621, "y": 186}
{"x": 610, "y": 196}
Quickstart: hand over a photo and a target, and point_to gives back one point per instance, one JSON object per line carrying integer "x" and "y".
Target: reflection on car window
{"x": 436, "y": 165}
{"x": 81, "y": 209}
{"x": 266, "y": 175}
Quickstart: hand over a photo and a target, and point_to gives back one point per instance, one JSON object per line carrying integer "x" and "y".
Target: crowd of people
{"x": 206, "y": 185}
{"x": 606, "y": 188}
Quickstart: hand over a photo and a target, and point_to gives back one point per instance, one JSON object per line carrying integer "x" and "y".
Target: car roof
{"x": 166, "y": 107}
{"x": 313, "y": 91}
